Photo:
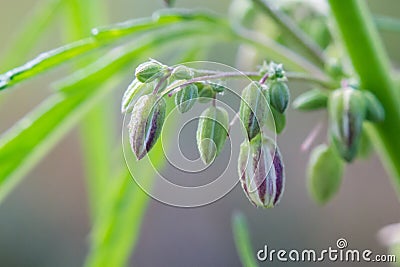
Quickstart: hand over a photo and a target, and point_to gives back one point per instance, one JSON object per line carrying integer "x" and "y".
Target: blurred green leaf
{"x": 242, "y": 240}
{"x": 28, "y": 34}
{"x": 385, "y": 23}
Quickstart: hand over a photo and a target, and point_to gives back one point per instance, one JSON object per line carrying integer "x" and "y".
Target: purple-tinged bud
{"x": 146, "y": 124}
{"x": 261, "y": 171}
{"x": 347, "y": 110}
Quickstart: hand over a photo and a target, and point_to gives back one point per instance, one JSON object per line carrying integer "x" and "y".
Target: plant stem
{"x": 372, "y": 65}
{"x": 291, "y": 29}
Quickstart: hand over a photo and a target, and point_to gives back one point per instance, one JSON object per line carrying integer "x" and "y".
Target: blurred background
{"x": 45, "y": 221}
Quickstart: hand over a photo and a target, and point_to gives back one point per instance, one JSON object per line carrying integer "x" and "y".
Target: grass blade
{"x": 242, "y": 240}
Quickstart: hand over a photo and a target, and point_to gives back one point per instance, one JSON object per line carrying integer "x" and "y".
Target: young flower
{"x": 206, "y": 92}
{"x": 146, "y": 124}
{"x": 212, "y": 132}
{"x": 149, "y": 71}
{"x": 261, "y": 171}
{"x": 135, "y": 90}
{"x": 186, "y": 98}
{"x": 182, "y": 73}
{"x": 311, "y": 100}
{"x": 347, "y": 110}
{"x": 375, "y": 110}
{"x": 254, "y": 108}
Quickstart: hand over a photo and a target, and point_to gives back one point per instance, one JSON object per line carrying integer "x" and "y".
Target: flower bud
{"x": 311, "y": 100}
{"x": 279, "y": 95}
{"x": 279, "y": 120}
{"x": 346, "y": 113}
{"x": 182, "y": 73}
{"x": 261, "y": 171}
{"x": 212, "y": 132}
{"x": 186, "y": 98}
{"x": 135, "y": 90}
{"x": 149, "y": 71}
{"x": 217, "y": 87}
{"x": 375, "y": 110}
{"x": 253, "y": 108}
{"x": 325, "y": 170}
{"x": 206, "y": 93}
{"x": 146, "y": 124}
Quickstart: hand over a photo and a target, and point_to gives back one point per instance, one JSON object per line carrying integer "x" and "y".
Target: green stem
{"x": 373, "y": 67}
{"x": 292, "y": 30}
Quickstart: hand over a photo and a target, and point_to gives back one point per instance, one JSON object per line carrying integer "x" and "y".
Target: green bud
{"x": 217, "y": 88}
{"x": 253, "y": 108}
{"x": 279, "y": 95}
{"x": 149, "y": 71}
{"x": 261, "y": 171}
{"x": 186, "y": 98}
{"x": 212, "y": 132}
{"x": 346, "y": 114}
{"x": 146, "y": 124}
{"x": 279, "y": 120}
{"x": 206, "y": 93}
{"x": 311, "y": 100}
{"x": 182, "y": 73}
{"x": 135, "y": 90}
{"x": 325, "y": 170}
{"x": 365, "y": 147}
{"x": 375, "y": 110}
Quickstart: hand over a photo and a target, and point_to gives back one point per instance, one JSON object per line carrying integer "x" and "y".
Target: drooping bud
{"x": 261, "y": 171}
{"x": 146, "y": 124}
{"x": 325, "y": 170}
{"x": 182, "y": 73}
{"x": 149, "y": 71}
{"x": 186, "y": 98}
{"x": 279, "y": 121}
{"x": 279, "y": 95}
{"x": 347, "y": 111}
{"x": 135, "y": 90}
{"x": 311, "y": 100}
{"x": 212, "y": 132}
{"x": 375, "y": 110}
{"x": 206, "y": 93}
{"x": 253, "y": 108}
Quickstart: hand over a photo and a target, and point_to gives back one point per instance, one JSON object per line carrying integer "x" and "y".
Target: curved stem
{"x": 292, "y": 30}
{"x": 372, "y": 65}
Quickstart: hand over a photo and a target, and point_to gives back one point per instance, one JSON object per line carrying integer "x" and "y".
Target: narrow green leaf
{"x": 242, "y": 240}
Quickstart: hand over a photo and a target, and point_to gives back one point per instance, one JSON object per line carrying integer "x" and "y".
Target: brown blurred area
{"x": 45, "y": 222}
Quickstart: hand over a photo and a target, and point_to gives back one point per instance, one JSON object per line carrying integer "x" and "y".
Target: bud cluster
{"x": 263, "y": 104}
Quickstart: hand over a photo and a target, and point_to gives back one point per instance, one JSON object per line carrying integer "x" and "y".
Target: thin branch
{"x": 293, "y": 30}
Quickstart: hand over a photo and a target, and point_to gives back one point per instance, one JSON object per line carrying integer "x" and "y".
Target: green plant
{"x": 361, "y": 97}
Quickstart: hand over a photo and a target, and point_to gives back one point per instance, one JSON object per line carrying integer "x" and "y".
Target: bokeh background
{"x": 45, "y": 221}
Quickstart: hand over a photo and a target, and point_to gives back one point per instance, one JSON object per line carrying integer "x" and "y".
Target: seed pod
{"x": 149, "y": 71}
{"x": 279, "y": 95}
{"x": 206, "y": 93}
{"x": 325, "y": 170}
{"x": 261, "y": 171}
{"x": 135, "y": 90}
{"x": 253, "y": 108}
{"x": 375, "y": 110}
{"x": 311, "y": 100}
{"x": 182, "y": 73}
{"x": 146, "y": 124}
{"x": 212, "y": 132}
{"x": 186, "y": 98}
{"x": 346, "y": 114}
